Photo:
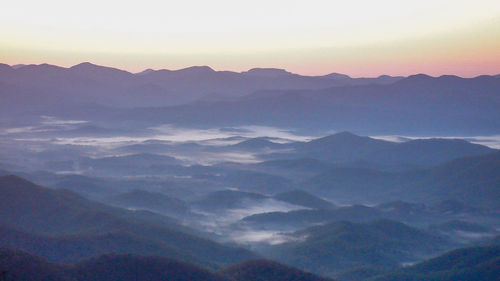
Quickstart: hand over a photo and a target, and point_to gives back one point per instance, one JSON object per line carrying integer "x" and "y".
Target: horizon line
{"x": 21, "y": 65}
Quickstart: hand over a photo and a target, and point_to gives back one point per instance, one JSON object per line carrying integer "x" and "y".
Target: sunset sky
{"x": 359, "y": 38}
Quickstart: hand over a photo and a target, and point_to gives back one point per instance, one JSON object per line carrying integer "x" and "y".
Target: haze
{"x": 359, "y": 38}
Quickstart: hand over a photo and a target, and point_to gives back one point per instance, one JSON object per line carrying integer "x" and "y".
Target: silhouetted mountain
{"x": 266, "y": 270}
{"x": 302, "y": 198}
{"x": 45, "y": 86}
{"x": 268, "y": 72}
{"x": 337, "y": 76}
{"x": 343, "y": 245}
{"x": 480, "y": 263}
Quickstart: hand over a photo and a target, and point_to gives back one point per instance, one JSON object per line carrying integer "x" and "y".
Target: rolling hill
{"x": 41, "y": 210}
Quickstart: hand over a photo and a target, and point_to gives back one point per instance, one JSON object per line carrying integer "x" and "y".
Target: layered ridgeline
{"x": 63, "y": 221}
{"x": 417, "y": 104}
{"x": 87, "y": 82}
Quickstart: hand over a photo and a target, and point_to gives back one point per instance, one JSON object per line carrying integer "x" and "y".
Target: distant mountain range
{"x": 87, "y": 82}
{"x": 417, "y": 104}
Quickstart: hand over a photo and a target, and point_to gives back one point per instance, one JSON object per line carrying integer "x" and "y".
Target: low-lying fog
{"x": 68, "y": 147}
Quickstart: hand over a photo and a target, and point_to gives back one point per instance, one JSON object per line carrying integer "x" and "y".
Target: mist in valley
{"x": 312, "y": 172}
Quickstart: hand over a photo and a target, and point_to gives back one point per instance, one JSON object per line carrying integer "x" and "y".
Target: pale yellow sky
{"x": 360, "y": 38}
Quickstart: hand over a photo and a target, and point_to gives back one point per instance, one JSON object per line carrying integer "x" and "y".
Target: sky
{"x": 314, "y": 37}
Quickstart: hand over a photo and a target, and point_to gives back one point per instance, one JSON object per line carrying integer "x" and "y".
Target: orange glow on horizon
{"x": 310, "y": 38}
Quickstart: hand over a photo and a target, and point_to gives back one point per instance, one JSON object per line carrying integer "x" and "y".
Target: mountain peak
{"x": 85, "y": 65}
{"x": 269, "y": 72}
{"x": 262, "y": 269}
{"x": 419, "y": 77}
{"x": 17, "y": 66}
{"x": 4, "y": 66}
{"x": 197, "y": 69}
{"x": 345, "y": 134}
{"x": 341, "y": 135}
{"x": 145, "y": 71}
{"x": 96, "y": 70}
{"x": 335, "y": 75}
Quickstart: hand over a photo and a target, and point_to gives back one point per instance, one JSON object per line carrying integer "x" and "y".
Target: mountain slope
{"x": 339, "y": 246}
{"x": 266, "y": 270}
{"x": 57, "y": 212}
{"x": 473, "y": 180}
{"x": 72, "y": 248}
{"x": 19, "y": 265}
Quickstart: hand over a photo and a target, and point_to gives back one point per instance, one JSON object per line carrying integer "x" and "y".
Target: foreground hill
{"x": 130, "y": 267}
{"x": 18, "y": 265}
{"x": 72, "y": 248}
{"x": 266, "y": 270}
{"x": 41, "y": 210}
